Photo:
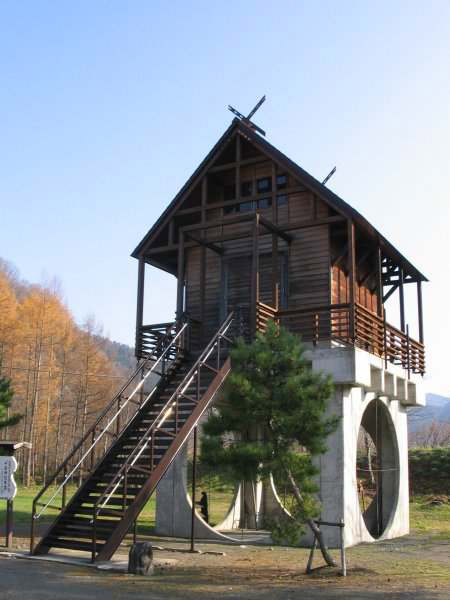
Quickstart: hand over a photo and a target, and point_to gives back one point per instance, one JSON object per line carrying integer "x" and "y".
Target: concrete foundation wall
{"x": 360, "y": 379}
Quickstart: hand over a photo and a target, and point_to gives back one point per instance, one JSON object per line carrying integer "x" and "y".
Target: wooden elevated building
{"x": 251, "y": 237}
{"x": 252, "y": 232}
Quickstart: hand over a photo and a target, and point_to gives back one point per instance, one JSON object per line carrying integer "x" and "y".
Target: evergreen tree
{"x": 6, "y": 396}
{"x": 271, "y": 419}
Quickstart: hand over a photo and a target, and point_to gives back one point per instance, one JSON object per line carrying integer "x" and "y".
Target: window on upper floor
{"x": 282, "y": 199}
{"x": 281, "y": 181}
{"x": 264, "y": 185}
{"x": 246, "y": 188}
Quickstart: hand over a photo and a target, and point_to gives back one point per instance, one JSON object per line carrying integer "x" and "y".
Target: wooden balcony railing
{"x": 333, "y": 323}
{"x": 150, "y": 338}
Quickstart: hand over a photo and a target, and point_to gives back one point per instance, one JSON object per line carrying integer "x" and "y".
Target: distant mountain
{"x": 121, "y": 354}
{"x": 436, "y": 409}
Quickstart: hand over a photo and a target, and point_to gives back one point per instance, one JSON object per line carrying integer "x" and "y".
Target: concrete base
{"x": 367, "y": 392}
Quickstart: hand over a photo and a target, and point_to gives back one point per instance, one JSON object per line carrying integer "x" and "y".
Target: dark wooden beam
{"x": 390, "y": 292}
{"x": 340, "y": 257}
{"x": 171, "y": 232}
{"x": 362, "y": 259}
{"x": 231, "y": 221}
{"x": 244, "y": 162}
{"x": 351, "y": 265}
{"x": 140, "y": 302}
{"x": 206, "y": 244}
{"x": 237, "y": 192}
{"x": 379, "y": 285}
{"x": 219, "y": 222}
{"x": 204, "y": 197}
{"x": 180, "y": 275}
{"x": 202, "y": 292}
{"x": 362, "y": 280}
{"x": 224, "y": 203}
{"x": 255, "y": 273}
{"x": 420, "y": 311}
{"x": 274, "y": 229}
{"x": 402, "y": 302}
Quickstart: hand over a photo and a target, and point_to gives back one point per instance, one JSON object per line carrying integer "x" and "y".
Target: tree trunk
{"x": 60, "y": 413}
{"x": 314, "y": 528}
{"x": 369, "y": 457}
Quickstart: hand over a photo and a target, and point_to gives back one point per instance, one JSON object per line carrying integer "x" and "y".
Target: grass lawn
{"x": 425, "y": 517}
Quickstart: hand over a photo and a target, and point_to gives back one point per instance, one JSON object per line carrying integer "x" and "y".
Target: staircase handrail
{"x": 108, "y": 492}
{"x": 93, "y": 427}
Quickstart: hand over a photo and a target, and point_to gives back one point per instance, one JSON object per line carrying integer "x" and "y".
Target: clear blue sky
{"x": 107, "y": 107}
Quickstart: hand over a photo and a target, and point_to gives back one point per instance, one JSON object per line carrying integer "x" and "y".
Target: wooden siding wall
{"x": 308, "y": 276}
{"x": 309, "y": 268}
{"x": 340, "y": 289}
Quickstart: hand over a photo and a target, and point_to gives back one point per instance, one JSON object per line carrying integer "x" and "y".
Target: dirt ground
{"x": 416, "y": 566}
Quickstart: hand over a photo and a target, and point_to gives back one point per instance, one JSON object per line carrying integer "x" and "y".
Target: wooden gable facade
{"x": 252, "y": 232}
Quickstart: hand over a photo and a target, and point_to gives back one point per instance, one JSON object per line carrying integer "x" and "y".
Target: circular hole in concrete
{"x": 377, "y": 468}
{"x": 219, "y": 488}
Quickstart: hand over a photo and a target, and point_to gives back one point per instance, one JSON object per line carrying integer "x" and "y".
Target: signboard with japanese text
{"x": 8, "y": 487}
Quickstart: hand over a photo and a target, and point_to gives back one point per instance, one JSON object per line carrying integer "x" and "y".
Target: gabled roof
{"x": 321, "y": 191}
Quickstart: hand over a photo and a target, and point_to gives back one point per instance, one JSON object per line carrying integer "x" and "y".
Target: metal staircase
{"x": 124, "y": 455}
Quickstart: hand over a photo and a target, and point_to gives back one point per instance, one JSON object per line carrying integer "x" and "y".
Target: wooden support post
{"x": 351, "y": 277}
{"x": 343, "y": 561}
{"x": 402, "y": 300}
{"x": 9, "y": 522}
{"x": 255, "y": 274}
{"x": 275, "y": 273}
{"x": 202, "y": 294}
{"x": 420, "y": 311}
{"x": 180, "y": 282}
{"x": 194, "y": 483}
{"x": 237, "y": 193}
{"x": 140, "y": 306}
{"x": 204, "y": 197}
{"x": 379, "y": 283}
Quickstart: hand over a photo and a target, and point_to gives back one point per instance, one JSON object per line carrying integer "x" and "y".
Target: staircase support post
{"x": 194, "y": 483}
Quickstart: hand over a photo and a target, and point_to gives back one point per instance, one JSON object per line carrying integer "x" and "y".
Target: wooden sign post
{"x": 8, "y": 487}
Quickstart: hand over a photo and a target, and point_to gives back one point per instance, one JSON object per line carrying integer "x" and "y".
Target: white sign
{"x": 8, "y": 487}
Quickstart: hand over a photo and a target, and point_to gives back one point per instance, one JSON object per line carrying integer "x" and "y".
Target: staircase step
{"x": 69, "y": 532}
{"x": 55, "y": 542}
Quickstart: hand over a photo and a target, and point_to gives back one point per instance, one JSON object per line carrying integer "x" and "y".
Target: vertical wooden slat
{"x": 351, "y": 276}
{"x": 238, "y": 167}
{"x": 255, "y": 273}
{"x": 275, "y": 273}
{"x": 203, "y": 262}
{"x": 379, "y": 283}
{"x": 420, "y": 310}
{"x": 140, "y": 305}
{"x": 204, "y": 197}
{"x": 180, "y": 275}
{"x": 402, "y": 300}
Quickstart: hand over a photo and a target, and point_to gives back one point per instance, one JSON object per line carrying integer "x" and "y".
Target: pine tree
{"x": 6, "y": 396}
{"x": 271, "y": 420}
